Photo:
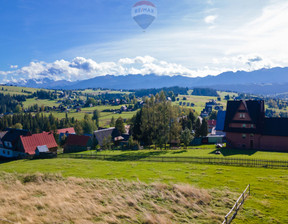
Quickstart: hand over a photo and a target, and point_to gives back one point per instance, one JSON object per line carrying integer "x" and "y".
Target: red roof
{"x": 211, "y": 122}
{"x": 79, "y": 140}
{"x": 66, "y": 130}
{"x": 31, "y": 142}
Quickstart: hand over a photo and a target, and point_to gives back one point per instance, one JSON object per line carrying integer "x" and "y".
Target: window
{"x": 252, "y": 135}
{"x": 8, "y": 144}
{"x": 8, "y": 153}
{"x": 4, "y": 151}
{"x": 252, "y": 125}
{"x": 243, "y": 136}
{"x": 243, "y": 125}
{"x": 242, "y": 116}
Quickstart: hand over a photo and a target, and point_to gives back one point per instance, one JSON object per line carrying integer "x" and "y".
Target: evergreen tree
{"x": 186, "y": 137}
{"x": 78, "y": 128}
{"x": 198, "y": 128}
{"x": 112, "y": 122}
{"x": 204, "y": 128}
{"x": 119, "y": 125}
{"x": 96, "y": 117}
{"x": 88, "y": 125}
{"x": 192, "y": 119}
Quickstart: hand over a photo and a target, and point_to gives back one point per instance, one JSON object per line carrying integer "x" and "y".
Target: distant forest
{"x": 176, "y": 91}
{"x": 10, "y": 104}
{"x": 204, "y": 92}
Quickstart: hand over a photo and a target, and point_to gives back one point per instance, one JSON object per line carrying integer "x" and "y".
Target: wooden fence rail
{"x": 203, "y": 160}
{"x": 240, "y": 201}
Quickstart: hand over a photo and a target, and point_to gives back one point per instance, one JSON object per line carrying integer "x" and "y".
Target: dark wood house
{"x": 11, "y": 138}
{"x": 247, "y": 127}
{"x": 109, "y": 133}
{"x": 78, "y": 143}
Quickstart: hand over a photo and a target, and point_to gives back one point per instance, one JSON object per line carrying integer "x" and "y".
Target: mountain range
{"x": 265, "y": 81}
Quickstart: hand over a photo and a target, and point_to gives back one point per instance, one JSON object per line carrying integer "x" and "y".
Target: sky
{"x": 81, "y": 39}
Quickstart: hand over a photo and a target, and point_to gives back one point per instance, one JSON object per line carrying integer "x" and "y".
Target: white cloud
{"x": 210, "y": 19}
{"x": 13, "y": 66}
{"x": 245, "y": 63}
{"x": 244, "y": 40}
{"x": 81, "y": 68}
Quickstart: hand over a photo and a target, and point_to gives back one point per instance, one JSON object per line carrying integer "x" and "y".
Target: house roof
{"x": 255, "y": 109}
{"x": 265, "y": 126}
{"x": 276, "y": 127}
{"x": 31, "y": 142}
{"x": 78, "y": 140}
{"x": 2, "y": 133}
{"x": 66, "y": 130}
{"x": 13, "y": 134}
{"x": 106, "y": 133}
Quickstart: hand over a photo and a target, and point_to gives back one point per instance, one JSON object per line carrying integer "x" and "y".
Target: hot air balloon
{"x": 144, "y": 13}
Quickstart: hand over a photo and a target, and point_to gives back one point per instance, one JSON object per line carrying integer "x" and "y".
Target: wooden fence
{"x": 240, "y": 201}
{"x": 202, "y": 160}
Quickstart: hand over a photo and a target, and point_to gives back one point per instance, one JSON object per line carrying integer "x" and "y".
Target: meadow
{"x": 197, "y": 151}
{"x": 54, "y": 199}
{"x": 32, "y": 101}
{"x": 267, "y": 203}
{"x": 198, "y": 101}
{"x": 105, "y": 117}
{"x": 14, "y": 90}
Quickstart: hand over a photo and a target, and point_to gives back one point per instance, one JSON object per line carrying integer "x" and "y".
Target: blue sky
{"x": 75, "y": 39}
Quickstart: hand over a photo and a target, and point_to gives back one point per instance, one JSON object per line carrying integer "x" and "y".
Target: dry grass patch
{"x": 45, "y": 198}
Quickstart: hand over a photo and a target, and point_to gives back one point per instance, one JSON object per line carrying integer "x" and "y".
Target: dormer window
{"x": 242, "y": 115}
{"x": 8, "y": 144}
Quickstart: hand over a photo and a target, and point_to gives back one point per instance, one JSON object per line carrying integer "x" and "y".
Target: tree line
{"x": 11, "y": 104}
{"x": 160, "y": 123}
{"x": 39, "y": 122}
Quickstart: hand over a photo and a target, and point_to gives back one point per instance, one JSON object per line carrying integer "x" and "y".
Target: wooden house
{"x": 30, "y": 143}
{"x": 247, "y": 127}
{"x": 78, "y": 143}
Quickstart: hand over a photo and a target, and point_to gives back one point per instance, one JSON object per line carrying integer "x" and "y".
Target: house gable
{"x": 244, "y": 116}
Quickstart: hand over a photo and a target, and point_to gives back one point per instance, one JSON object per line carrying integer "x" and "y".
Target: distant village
{"x": 242, "y": 126}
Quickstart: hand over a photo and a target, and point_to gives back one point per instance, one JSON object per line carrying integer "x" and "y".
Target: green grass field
{"x": 17, "y": 90}
{"x": 32, "y": 101}
{"x": 267, "y": 204}
{"x": 198, "y": 101}
{"x": 202, "y": 151}
{"x": 105, "y": 117}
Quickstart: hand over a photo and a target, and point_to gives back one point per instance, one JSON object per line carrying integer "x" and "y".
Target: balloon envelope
{"x": 144, "y": 13}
